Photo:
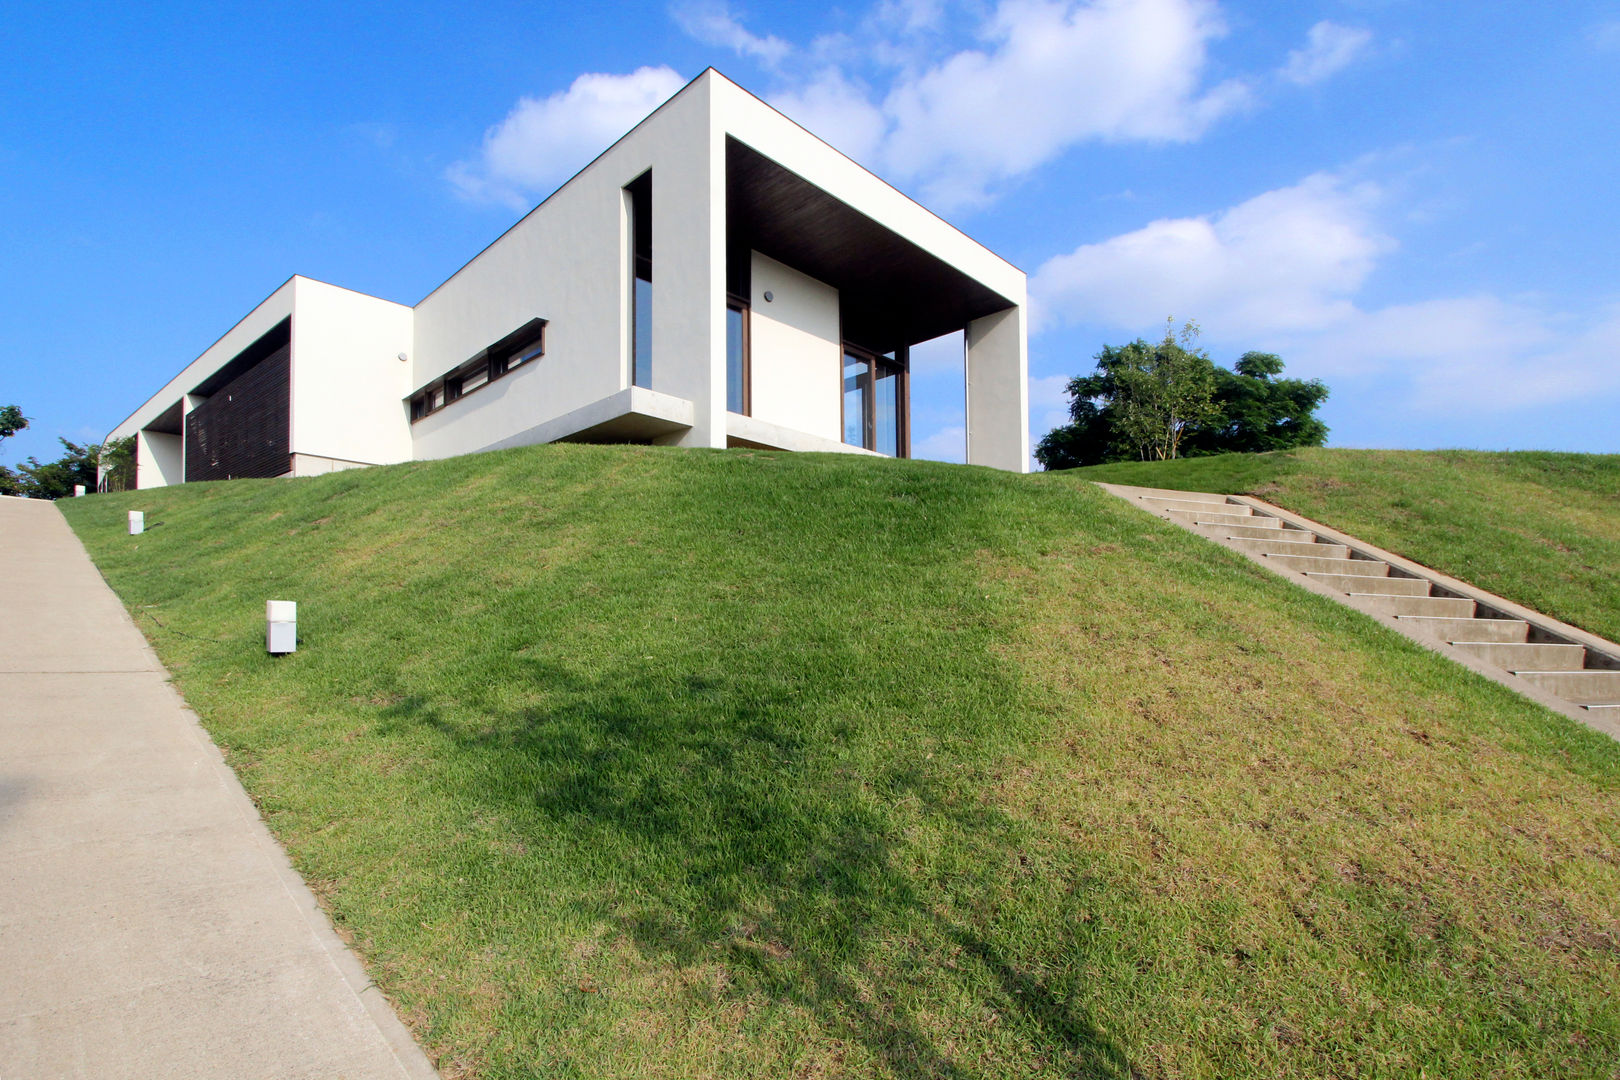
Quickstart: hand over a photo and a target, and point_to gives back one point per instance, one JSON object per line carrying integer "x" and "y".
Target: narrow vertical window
{"x": 737, "y": 356}
{"x": 857, "y": 397}
{"x": 641, "y": 354}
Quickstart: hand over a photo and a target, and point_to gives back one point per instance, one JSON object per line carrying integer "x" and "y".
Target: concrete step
{"x": 1256, "y": 531}
{"x": 1372, "y": 585}
{"x": 1181, "y": 496}
{"x": 1589, "y": 687}
{"x": 1527, "y": 656}
{"x": 1283, "y": 546}
{"x": 1361, "y": 583}
{"x": 1476, "y": 630}
{"x": 1236, "y": 509}
{"x": 1307, "y": 563}
{"x": 1203, "y": 517}
{"x": 1450, "y": 607}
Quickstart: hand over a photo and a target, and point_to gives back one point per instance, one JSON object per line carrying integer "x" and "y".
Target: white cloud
{"x": 1605, "y": 36}
{"x": 1048, "y": 402}
{"x": 837, "y": 110}
{"x": 1329, "y": 49}
{"x": 711, "y": 22}
{"x": 1282, "y": 272}
{"x": 941, "y": 357}
{"x": 1286, "y": 259}
{"x": 945, "y": 444}
{"x": 1479, "y": 354}
{"x": 1045, "y": 75}
{"x": 1050, "y": 75}
{"x": 544, "y": 141}
{"x": 910, "y": 16}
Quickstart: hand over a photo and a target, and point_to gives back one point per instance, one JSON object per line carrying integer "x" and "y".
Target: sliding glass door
{"x": 876, "y": 406}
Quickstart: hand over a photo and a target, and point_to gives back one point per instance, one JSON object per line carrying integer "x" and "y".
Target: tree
{"x": 55, "y": 479}
{"x": 1140, "y": 402}
{"x": 118, "y": 464}
{"x": 11, "y": 421}
{"x": 1150, "y": 402}
{"x": 79, "y": 465}
{"x": 1163, "y": 392}
{"x": 1259, "y": 412}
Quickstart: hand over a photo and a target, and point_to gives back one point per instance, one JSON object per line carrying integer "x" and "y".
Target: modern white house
{"x": 717, "y": 277}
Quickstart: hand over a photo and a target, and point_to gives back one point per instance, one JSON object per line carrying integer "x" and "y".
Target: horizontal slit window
{"x": 526, "y": 343}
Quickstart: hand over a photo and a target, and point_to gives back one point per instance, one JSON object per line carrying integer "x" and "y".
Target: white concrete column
{"x": 689, "y": 265}
{"x": 998, "y": 390}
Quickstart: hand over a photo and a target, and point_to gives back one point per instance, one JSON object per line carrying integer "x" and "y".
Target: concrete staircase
{"x": 1545, "y": 659}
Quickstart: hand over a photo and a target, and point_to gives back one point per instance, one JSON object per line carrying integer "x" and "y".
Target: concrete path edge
{"x": 72, "y": 602}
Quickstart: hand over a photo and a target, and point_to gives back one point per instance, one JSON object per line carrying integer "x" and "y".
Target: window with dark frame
{"x": 738, "y": 387}
{"x": 876, "y": 405}
{"x": 641, "y": 322}
{"x": 526, "y": 343}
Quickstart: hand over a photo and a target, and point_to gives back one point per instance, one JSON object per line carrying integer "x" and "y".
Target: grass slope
{"x": 1541, "y": 529}
{"x": 644, "y": 762}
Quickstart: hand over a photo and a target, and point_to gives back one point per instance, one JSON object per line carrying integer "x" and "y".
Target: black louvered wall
{"x": 243, "y": 428}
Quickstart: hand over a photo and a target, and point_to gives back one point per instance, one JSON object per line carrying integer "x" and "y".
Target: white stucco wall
{"x": 348, "y": 383}
{"x": 795, "y": 350}
{"x": 159, "y": 459}
{"x": 565, "y": 262}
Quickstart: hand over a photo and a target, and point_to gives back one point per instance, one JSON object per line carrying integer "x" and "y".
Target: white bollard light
{"x": 280, "y": 626}
{"x": 137, "y": 522}
{"x": 78, "y": 489}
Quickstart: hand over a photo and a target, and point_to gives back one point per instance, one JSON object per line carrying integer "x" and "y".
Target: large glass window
{"x": 641, "y": 320}
{"x": 886, "y": 410}
{"x": 875, "y": 403}
{"x": 737, "y": 357}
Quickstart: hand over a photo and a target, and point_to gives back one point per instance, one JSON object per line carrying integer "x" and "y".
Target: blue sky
{"x": 1414, "y": 202}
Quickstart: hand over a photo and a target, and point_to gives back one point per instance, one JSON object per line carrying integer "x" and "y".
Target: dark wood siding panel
{"x": 244, "y": 428}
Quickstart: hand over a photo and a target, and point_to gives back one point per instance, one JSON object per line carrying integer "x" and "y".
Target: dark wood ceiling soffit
{"x": 275, "y": 338}
{"x": 170, "y": 421}
{"x": 891, "y": 292}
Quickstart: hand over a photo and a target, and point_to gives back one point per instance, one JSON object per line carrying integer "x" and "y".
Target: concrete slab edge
{"x": 1594, "y": 719}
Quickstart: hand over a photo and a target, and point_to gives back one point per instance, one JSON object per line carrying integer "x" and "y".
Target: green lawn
{"x": 644, "y": 762}
{"x": 1541, "y": 529}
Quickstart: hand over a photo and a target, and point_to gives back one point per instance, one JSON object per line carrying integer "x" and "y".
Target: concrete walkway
{"x": 149, "y": 924}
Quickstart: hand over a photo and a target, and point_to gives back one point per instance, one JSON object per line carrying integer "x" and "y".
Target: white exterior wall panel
{"x": 348, "y": 383}
{"x": 795, "y": 350}
{"x": 159, "y": 459}
{"x": 566, "y": 263}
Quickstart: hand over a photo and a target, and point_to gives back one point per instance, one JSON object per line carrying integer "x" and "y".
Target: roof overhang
{"x": 892, "y": 292}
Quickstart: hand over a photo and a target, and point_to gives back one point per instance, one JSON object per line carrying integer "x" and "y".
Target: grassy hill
{"x": 646, "y": 762}
{"x": 1541, "y": 529}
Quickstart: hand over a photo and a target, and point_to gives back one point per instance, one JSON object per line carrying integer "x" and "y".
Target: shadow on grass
{"x": 733, "y": 823}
